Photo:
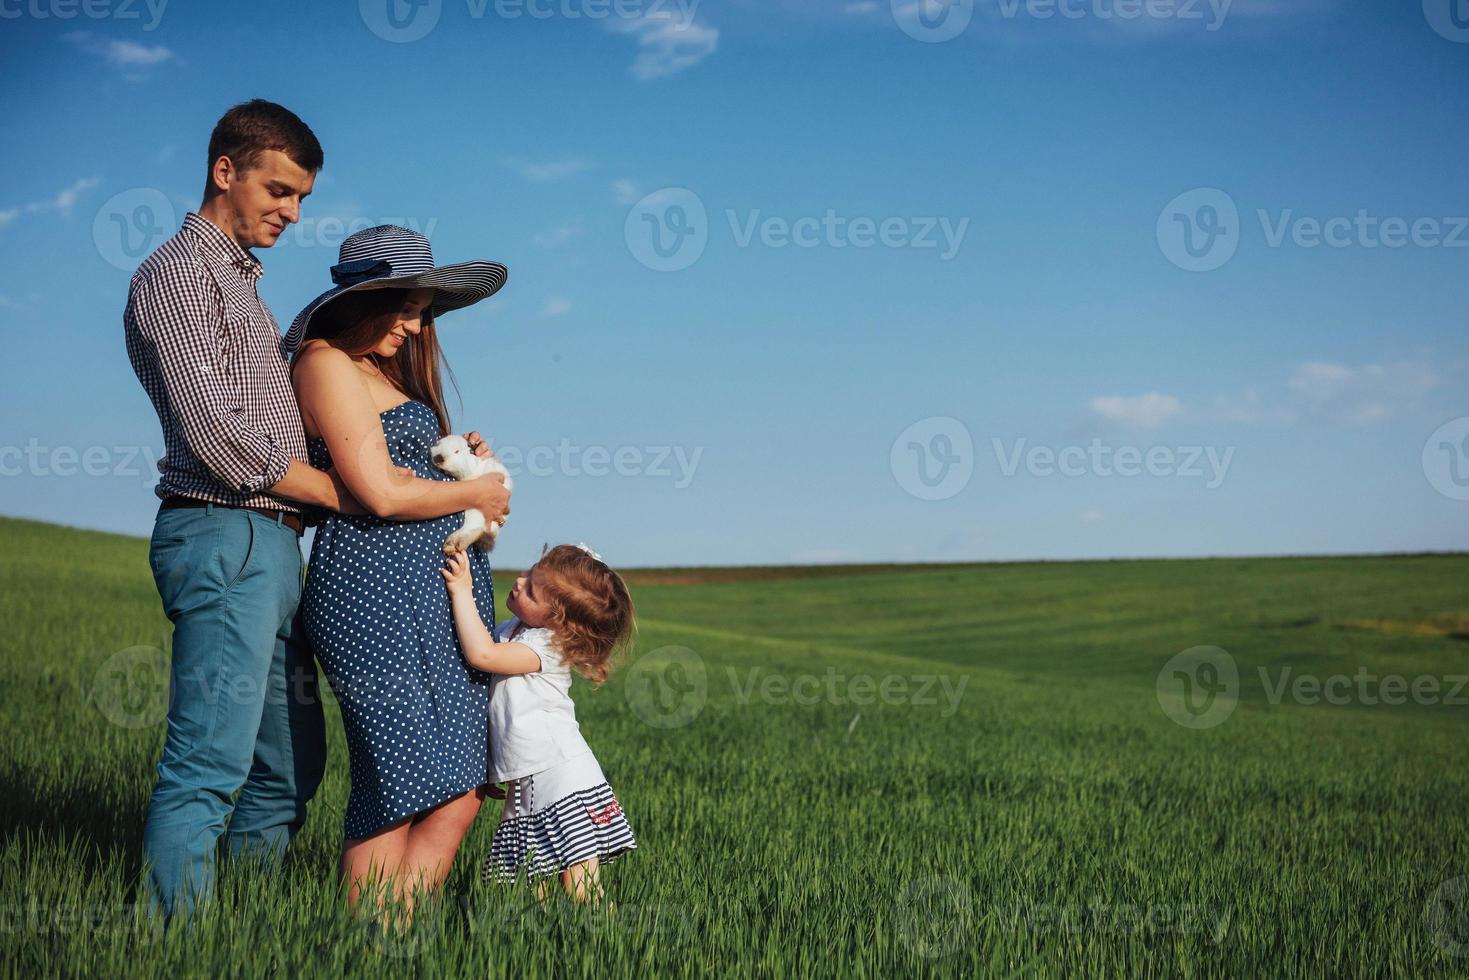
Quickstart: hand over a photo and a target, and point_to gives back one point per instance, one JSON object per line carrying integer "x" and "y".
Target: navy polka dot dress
{"x": 377, "y": 612}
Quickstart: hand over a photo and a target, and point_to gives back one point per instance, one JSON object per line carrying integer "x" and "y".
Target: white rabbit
{"x": 452, "y": 455}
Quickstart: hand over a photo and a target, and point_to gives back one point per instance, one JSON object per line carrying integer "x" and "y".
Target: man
{"x": 225, "y": 554}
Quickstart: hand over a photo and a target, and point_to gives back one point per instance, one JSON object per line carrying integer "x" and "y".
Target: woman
{"x": 366, "y": 369}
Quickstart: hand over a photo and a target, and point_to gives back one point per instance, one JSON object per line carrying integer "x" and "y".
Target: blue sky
{"x": 917, "y": 300}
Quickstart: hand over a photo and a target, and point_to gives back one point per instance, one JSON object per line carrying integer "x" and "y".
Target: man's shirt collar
{"x": 214, "y": 241}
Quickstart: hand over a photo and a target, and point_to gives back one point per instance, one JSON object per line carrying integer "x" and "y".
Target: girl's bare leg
{"x": 583, "y": 881}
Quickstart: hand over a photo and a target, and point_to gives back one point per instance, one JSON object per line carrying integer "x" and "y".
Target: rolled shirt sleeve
{"x": 176, "y": 326}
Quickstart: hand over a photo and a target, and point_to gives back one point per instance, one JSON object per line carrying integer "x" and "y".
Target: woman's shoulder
{"x": 318, "y": 364}
{"x": 320, "y": 355}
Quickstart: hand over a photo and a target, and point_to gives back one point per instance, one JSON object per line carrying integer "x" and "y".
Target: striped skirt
{"x": 555, "y": 819}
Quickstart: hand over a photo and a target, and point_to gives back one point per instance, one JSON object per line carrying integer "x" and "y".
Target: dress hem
{"x": 413, "y": 813}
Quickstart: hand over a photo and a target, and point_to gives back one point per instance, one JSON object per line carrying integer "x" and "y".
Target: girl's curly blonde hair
{"x": 591, "y": 609}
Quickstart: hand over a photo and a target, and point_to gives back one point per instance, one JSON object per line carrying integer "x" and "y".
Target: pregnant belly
{"x": 374, "y": 593}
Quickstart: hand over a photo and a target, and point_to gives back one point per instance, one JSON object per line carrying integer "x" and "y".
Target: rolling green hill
{"x": 949, "y": 770}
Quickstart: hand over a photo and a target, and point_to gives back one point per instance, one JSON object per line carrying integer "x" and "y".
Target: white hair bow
{"x": 589, "y": 551}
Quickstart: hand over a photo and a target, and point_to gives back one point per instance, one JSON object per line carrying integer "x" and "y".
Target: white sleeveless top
{"x": 532, "y": 718}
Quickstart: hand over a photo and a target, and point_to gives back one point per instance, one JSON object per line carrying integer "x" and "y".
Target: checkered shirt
{"x": 207, "y": 351}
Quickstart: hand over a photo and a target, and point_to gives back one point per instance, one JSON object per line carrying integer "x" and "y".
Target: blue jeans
{"x": 243, "y": 711}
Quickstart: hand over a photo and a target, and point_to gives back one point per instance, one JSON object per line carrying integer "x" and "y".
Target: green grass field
{"x": 949, "y": 770}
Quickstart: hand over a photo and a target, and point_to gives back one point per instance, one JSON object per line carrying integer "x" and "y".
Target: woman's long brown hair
{"x": 356, "y": 322}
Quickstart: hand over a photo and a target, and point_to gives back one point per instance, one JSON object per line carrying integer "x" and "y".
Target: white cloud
{"x": 1249, "y": 409}
{"x": 66, "y": 197}
{"x": 549, "y": 170}
{"x": 1143, "y": 411}
{"x": 559, "y": 235}
{"x": 127, "y": 55}
{"x": 556, "y": 306}
{"x": 63, "y": 201}
{"x": 667, "y": 43}
{"x": 625, "y": 191}
{"x": 1091, "y": 516}
{"x": 1369, "y": 393}
{"x": 1333, "y": 391}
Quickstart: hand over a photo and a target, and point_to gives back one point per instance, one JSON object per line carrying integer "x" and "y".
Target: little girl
{"x": 570, "y": 611}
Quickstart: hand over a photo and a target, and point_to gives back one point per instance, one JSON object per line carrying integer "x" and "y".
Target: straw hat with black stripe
{"x": 391, "y": 257}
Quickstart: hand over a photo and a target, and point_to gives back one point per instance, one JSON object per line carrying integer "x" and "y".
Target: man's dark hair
{"x": 249, "y": 129}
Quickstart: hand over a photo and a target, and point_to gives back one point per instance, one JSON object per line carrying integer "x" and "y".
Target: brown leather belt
{"x": 289, "y": 518}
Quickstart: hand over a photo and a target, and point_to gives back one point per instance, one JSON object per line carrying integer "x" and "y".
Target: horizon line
{"x": 919, "y": 564}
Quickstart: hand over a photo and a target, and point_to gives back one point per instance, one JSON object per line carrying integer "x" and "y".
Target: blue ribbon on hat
{"x": 360, "y": 270}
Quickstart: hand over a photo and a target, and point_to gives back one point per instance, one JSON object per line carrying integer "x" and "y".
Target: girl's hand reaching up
{"x": 457, "y": 575}
{"x": 478, "y": 643}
